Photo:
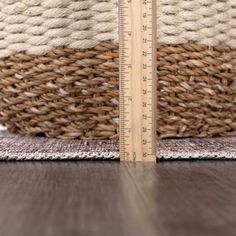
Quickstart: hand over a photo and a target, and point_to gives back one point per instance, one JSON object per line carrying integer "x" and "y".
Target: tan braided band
{"x": 72, "y": 93}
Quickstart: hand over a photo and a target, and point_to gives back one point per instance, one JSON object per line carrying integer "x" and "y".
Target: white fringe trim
{"x": 37, "y": 156}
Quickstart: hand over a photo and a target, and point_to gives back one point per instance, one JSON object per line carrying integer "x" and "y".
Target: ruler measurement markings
{"x": 136, "y": 135}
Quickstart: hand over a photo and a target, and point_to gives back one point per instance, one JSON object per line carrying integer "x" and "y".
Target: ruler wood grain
{"x": 137, "y": 80}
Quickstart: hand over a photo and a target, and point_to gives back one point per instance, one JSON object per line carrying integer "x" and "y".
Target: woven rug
{"x": 14, "y": 147}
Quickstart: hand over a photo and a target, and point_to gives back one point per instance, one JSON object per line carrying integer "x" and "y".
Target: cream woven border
{"x": 209, "y": 22}
{"x": 39, "y": 26}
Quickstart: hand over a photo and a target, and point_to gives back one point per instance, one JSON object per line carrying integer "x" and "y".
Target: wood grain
{"x": 112, "y": 198}
{"x": 137, "y": 90}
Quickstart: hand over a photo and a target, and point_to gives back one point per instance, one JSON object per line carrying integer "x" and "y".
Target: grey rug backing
{"x": 14, "y": 147}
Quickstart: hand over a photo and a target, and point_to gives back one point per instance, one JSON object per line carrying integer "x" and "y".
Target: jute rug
{"x": 14, "y": 147}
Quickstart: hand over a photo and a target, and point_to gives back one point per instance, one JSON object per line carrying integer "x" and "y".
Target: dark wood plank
{"x": 189, "y": 198}
{"x": 88, "y": 198}
{"x": 112, "y": 198}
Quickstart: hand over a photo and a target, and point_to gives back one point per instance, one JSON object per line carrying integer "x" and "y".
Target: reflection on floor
{"x": 112, "y": 198}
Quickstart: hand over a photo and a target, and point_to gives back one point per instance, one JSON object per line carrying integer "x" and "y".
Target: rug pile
{"x": 15, "y": 147}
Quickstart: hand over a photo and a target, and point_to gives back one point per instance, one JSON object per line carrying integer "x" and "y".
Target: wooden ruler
{"x": 137, "y": 80}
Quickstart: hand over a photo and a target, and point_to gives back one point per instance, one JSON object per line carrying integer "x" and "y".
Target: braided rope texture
{"x": 209, "y": 22}
{"x": 39, "y": 26}
{"x": 72, "y": 93}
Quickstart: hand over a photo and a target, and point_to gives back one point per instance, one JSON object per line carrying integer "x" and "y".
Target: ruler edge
{"x": 152, "y": 158}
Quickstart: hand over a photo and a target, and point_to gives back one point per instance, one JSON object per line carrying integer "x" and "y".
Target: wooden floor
{"x": 118, "y": 199}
